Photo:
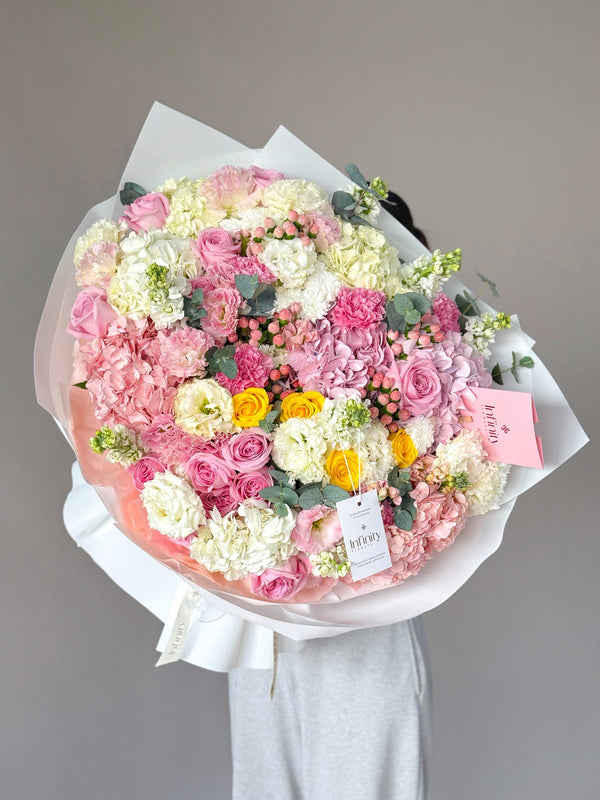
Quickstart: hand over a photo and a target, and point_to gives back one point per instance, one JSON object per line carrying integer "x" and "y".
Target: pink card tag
{"x": 506, "y": 420}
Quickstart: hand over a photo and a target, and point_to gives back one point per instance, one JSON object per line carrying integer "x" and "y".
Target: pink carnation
{"x": 248, "y": 451}
{"x": 147, "y": 213}
{"x": 329, "y": 233}
{"x": 254, "y": 367}
{"x": 283, "y": 582}
{"x": 317, "y": 528}
{"x": 182, "y": 351}
{"x": 440, "y": 517}
{"x": 249, "y": 484}
{"x": 358, "y": 308}
{"x": 215, "y": 245}
{"x": 171, "y": 443}
{"x": 208, "y": 471}
{"x": 447, "y": 313}
{"x": 144, "y": 469}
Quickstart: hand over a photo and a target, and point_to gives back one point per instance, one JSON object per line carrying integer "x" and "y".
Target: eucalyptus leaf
{"x": 356, "y": 176}
{"x": 342, "y": 201}
{"x": 412, "y": 317}
{"x": 403, "y": 304}
{"x": 307, "y": 487}
{"x": 289, "y": 496}
{"x": 402, "y": 519}
{"x": 281, "y": 509}
{"x": 497, "y": 375}
{"x": 130, "y": 192}
{"x": 356, "y": 220}
{"x": 197, "y": 296}
{"x": 394, "y": 319}
{"x": 82, "y": 385}
{"x": 467, "y": 304}
{"x": 246, "y": 285}
{"x": 400, "y": 479}
{"x": 310, "y": 498}
{"x": 271, "y": 493}
{"x": 408, "y": 504}
{"x": 490, "y": 283}
{"x": 515, "y": 374}
{"x": 334, "y": 494}
{"x": 279, "y": 476}
{"x": 526, "y": 362}
{"x": 261, "y": 305}
{"x": 229, "y": 368}
{"x": 419, "y": 301}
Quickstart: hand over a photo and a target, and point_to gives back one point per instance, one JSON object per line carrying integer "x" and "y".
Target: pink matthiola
{"x": 283, "y": 582}
{"x": 253, "y": 369}
{"x": 358, "y": 308}
{"x": 97, "y": 265}
{"x": 144, "y": 469}
{"x": 440, "y": 517}
{"x": 91, "y": 314}
{"x": 338, "y": 359}
{"x": 147, "y": 213}
{"x": 248, "y": 484}
{"x": 231, "y": 189}
{"x": 182, "y": 351}
{"x": 208, "y": 471}
{"x": 123, "y": 378}
{"x": 317, "y": 528}
{"x": 213, "y": 246}
{"x": 248, "y": 451}
{"x": 447, "y": 313}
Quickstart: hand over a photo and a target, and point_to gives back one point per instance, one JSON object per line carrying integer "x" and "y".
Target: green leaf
{"x": 229, "y": 368}
{"x": 497, "y": 375}
{"x": 82, "y": 385}
{"x": 279, "y": 476}
{"x": 394, "y": 319}
{"x": 356, "y": 176}
{"x": 467, "y": 304}
{"x": 408, "y": 504}
{"x": 197, "y": 296}
{"x": 400, "y": 479}
{"x": 526, "y": 362}
{"x": 412, "y": 317}
{"x": 246, "y": 285}
{"x": 221, "y": 360}
{"x": 402, "y": 519}
{"x": 334, "y": 494}
{"x": 271, "y": 493}
{"x": 307, "y": 487}
{"x": 312, "y": 497}
{"x": 281, "y": 509}
{"x": 403, "y": 304}
{"x": 261, "y": 305}
{"x": 515, "y": 374}
{"x": 342, "y": 202}
{"x": 419, "y": 301}
{"x": 289, "y": 496}
{"x": 490, "y": 283}
{"x": 130, "y": 192}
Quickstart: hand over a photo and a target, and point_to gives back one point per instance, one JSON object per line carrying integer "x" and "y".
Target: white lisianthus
{"x": 297, "y": 194}
{"x": 362, "y": 258}
{"x": 299, "y": 448}
{"x": 105, "y": 230}
{"x": 188, "y": 212}
{"x": 173, "y": 507}
{"x": 421, "y": 431}
{"x": 245, "y": 542}
{"x": 203, "y": 408}
{"x": 290, "y": 261}
{"x": 316, "y": 297}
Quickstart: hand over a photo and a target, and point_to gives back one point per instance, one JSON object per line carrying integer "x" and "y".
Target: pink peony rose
{"x": 144, "y": 470}
{"x": 182, "y": 351}
{"x": 91, "y": 314}
{"x": 317, "y": 528}
{"x": 147, "y": 213}
{"x": 248, "y": 451}
{"x": 282, "y": 582}
{"x": 254, "y": 367}
{"x": 208, "y": 471}
{"x": 215, "y": 245}
{"x": 249, "y": 484}
{"x": 231, "y": 189}
{"x": 358, "y": 308}
{"x": 98, "y": 264}
{"x": 419, "y": 383}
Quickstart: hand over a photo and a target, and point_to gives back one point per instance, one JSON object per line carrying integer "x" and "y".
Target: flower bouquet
{"x": 274, "y": 387}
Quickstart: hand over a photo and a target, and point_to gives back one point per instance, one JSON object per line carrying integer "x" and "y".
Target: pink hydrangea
{"x": 171, "y": 444}
{"x": 253, "y": 365}
{"x": 317, "y": 528}
{"x": 447, "y": 313}
{"x": 283, "y": 582}
{"x": 182, "y": 351}
{"x": 440, "y": 517}
{"x": 408, "y": 554}
{"x": 358, "y": 308}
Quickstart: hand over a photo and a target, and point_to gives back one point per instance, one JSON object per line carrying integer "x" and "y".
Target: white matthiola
{"x": 245, "y": 542}
{"x": 316, "y": 298}
{"x": 173, "y": 507}
{"x": 485, "y": 494}
{"x": 299, "y": 448}
{"x": 421, "y": 431}
{"x": 426, "y": 275}
{"x": 105, "y": 230}
{"x": 297, "y": 194}
{"x": 290, "y": 261}
{"x": 362, "y": 258}
{"x": 188, "y": 212}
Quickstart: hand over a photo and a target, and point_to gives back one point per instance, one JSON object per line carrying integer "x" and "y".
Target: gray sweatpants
{"x": 349, "y": 719}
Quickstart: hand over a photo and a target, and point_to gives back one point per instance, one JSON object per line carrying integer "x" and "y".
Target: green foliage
{"x": 492, "y": 286}
{"x": 467, "y": 304}
{"x": 82, "y": 385}
{"x": 268, "y": 423}
{"x": 527, "y": 362}
{"x": 246, "y": 285}
{"x": 400, "y": 479}
{"x": 405, "y": 309}
{"x": 220, "y": 359}
{"x": 497, "y": 375}
{"x": 130, "y": 192}
{"x": 192, "y": 308}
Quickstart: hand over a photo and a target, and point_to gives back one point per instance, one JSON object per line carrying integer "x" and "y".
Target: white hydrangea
{"x": 421, "y": 431}
{"x": 297, "y": 194}
{"x": 316, "y": 298}
{"x": 250, "y": 219}
{"x": 105, "y": 230}
{"x": 362, "y": 258}
{"x": 173, "y": 507}
{"x": 176, "y": 254}
{"x": 290, "y": 261}
{"x": 188, "y": 211}
{"x": 299, "y": 448}
{"x": 245, "y": 542}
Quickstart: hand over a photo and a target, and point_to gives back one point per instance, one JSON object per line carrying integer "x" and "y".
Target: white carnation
{"x": 173, "y": 507}
{"x": 485, "y": 494}
{"x": 297, "y": 194}
{"x": 421, "y": 431}
{"x": 299, "y": 448}
{"x": 316, "y": 298}
{"x": 105, "y": 230}
{"x": 290, "y": 261}
{"x": 245, "y": 542}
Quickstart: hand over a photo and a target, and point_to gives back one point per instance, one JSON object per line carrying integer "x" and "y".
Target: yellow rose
{"x": 343, "y": 468}
{"x": 403, "y": 448}
{"x": 249, "y": 407}
{"x": 303, "y": 404}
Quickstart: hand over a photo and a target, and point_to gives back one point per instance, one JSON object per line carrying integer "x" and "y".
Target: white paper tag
{"x": 364, "y": 535}
{"x": 191, "y": 602}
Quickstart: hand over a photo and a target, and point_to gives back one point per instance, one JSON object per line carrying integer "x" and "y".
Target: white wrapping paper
{"x": 232, "y": 630}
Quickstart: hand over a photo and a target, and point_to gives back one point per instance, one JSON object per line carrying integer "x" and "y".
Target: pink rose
{"x": 282, "y": 582}
{"x": 317, "y": 528}
{"x": 207, "y": 471}
{"x": 419, "y": 383}
{"x": 144, "y": 470}
{"x": 215, "y": 245}
{"x": 248, "y": 451}
{"x": 91, "y": 314}
{"x": 358, "y": 308}
{"x": 249, "y": 484}
{"x": 147, "y": 213}
{"x": 220, "y": 499}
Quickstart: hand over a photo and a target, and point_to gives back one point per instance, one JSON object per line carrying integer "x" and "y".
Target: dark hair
{"x": 401, "y": 212}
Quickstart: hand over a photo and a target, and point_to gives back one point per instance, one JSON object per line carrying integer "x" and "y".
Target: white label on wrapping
{"x": 172, "y": 652}
{"x": 364, "y": 535}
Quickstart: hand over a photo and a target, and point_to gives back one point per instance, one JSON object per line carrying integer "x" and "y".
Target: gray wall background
{"x": 484, "y": 116}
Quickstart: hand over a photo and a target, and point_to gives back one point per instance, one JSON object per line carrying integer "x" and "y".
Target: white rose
{"x": 173, "y": 507}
